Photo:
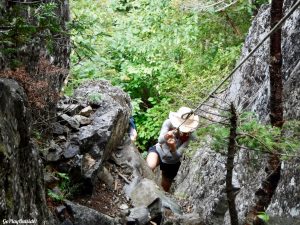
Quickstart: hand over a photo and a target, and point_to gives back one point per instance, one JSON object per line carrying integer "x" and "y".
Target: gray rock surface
{"x": 22, "y": 193}
{"x": 249, "y": 88}
{"x": 129, "y": 157}
{"x": 82, "y": 215}
{"x": 185, "y": 219}
{"x": 87, "y": 111}
{"x": 285, "y": 204}
{"x": 71, "y": 121}
{"x": 93, "y": 137}
{"x": 139, "y": 215}
{"x": 292, "y": 94}
{"x": 54, "y": 152}
{"x": 71, "y": 150}
{"x": 201, "y": 178}
{"x": 146, "y": 191}
{"x": 82, "y": 119}
{"x": 149, "y": 201}
{"x": 70, "y": 109}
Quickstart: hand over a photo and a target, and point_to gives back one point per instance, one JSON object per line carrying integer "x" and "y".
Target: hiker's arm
{"x": 185, "y": 144}
{"x": 181, "y": 148}
{"x": 164, "y": 130}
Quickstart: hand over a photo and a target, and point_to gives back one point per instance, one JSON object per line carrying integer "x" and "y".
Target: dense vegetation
{"x": 163, "y": 56}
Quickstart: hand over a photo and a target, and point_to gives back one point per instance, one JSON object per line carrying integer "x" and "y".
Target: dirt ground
{"x": 108, "y": 200}
{"x": 112, "y": 200}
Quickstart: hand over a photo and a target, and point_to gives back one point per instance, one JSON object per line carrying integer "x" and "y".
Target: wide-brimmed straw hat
{"x": 185, "y": 119}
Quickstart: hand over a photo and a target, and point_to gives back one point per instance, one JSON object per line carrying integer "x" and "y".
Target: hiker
{"x": 132, "y": 130}
{"x": 175, "y": 134}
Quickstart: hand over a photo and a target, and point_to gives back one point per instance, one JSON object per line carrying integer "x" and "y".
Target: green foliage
{"x": 162, "y": 56}
{"x": 37, "y": 135}
{"x": 54, "y": 196}
{"x": 256, "y": 136}
{"x": 94, "y": 97}
{"x": 63, "y": 176}
{"x": 150, "y": 123}
{"x": 24, "y": 25}
{"x": 67, "y": 188}
{"x": 291, "y": 133}
{"x": 264, "y": 216}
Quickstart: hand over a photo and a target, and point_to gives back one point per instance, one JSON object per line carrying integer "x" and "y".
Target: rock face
{"x": 82, "y": 215}
{"x": 201, "y": 179}
{"x": 22, "y": 189}
{"x": 203, "y": 183}
{"x": 83, "y": 143}
{"x": 40, "y": 66}
{"x": 250, "y": 85}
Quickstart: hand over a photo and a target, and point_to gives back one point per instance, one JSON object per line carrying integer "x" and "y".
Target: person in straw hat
{"x": 175, "y": 134}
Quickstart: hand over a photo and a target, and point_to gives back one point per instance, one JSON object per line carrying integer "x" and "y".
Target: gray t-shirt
{"x": 163, "y": 149}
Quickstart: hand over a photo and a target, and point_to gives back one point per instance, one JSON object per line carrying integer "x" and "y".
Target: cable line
{"x": 279, "y": 24}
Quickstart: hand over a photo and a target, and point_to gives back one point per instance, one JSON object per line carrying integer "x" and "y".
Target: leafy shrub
{"x": 67, "y": 188}
{"x": 162, "y": 56}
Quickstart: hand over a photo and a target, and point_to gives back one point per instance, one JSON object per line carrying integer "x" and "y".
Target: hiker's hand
{"x": 169, "y": 135}
{"x": 172, "y": 144}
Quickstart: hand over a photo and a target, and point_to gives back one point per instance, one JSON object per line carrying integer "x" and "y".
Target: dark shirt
{"x": 131, "y": 123}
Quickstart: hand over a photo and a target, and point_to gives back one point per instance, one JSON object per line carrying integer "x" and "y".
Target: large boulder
{"x": 90, "y": 126}
{"x": 129, "y": 157}
{"x": 22, "y": 193}
{"x": 201, "y": 178}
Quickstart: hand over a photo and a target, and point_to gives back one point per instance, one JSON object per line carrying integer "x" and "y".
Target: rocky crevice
{"x": 91, "y": 125}
{"x": 22, "y": 186}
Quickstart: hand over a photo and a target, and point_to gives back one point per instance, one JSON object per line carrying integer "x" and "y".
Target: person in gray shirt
{"x": 175, "y": 135}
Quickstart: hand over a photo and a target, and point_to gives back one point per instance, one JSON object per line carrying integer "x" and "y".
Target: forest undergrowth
{"x": 163, "y": 56}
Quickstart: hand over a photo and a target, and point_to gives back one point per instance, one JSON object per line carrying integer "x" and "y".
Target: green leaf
{"x": 264, "y": 216}
{"x": 54, "y": 196}
{"x": 64, "y": 176}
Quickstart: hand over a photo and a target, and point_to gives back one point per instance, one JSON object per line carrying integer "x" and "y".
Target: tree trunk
{"x": 276, "y": 87}
{"x": 230, "y": 165}
{"x": 265, "y": 193}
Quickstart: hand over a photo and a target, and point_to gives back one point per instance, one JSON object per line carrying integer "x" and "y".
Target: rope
{"x": 211, "y": 5}
{"x": 188, "y": 114}
{"x": 32, "y": 2}
{"x": 279, "y": 24}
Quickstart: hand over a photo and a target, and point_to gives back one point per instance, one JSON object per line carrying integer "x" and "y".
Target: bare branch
{"x": 19, "y": 2}
{"x": 220, "y": 108}
{"x": 220, "y": 122}
{"x": 215, "y": 114}
{"x": 124, "y": 178}
{"x": 227, "y": 6}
